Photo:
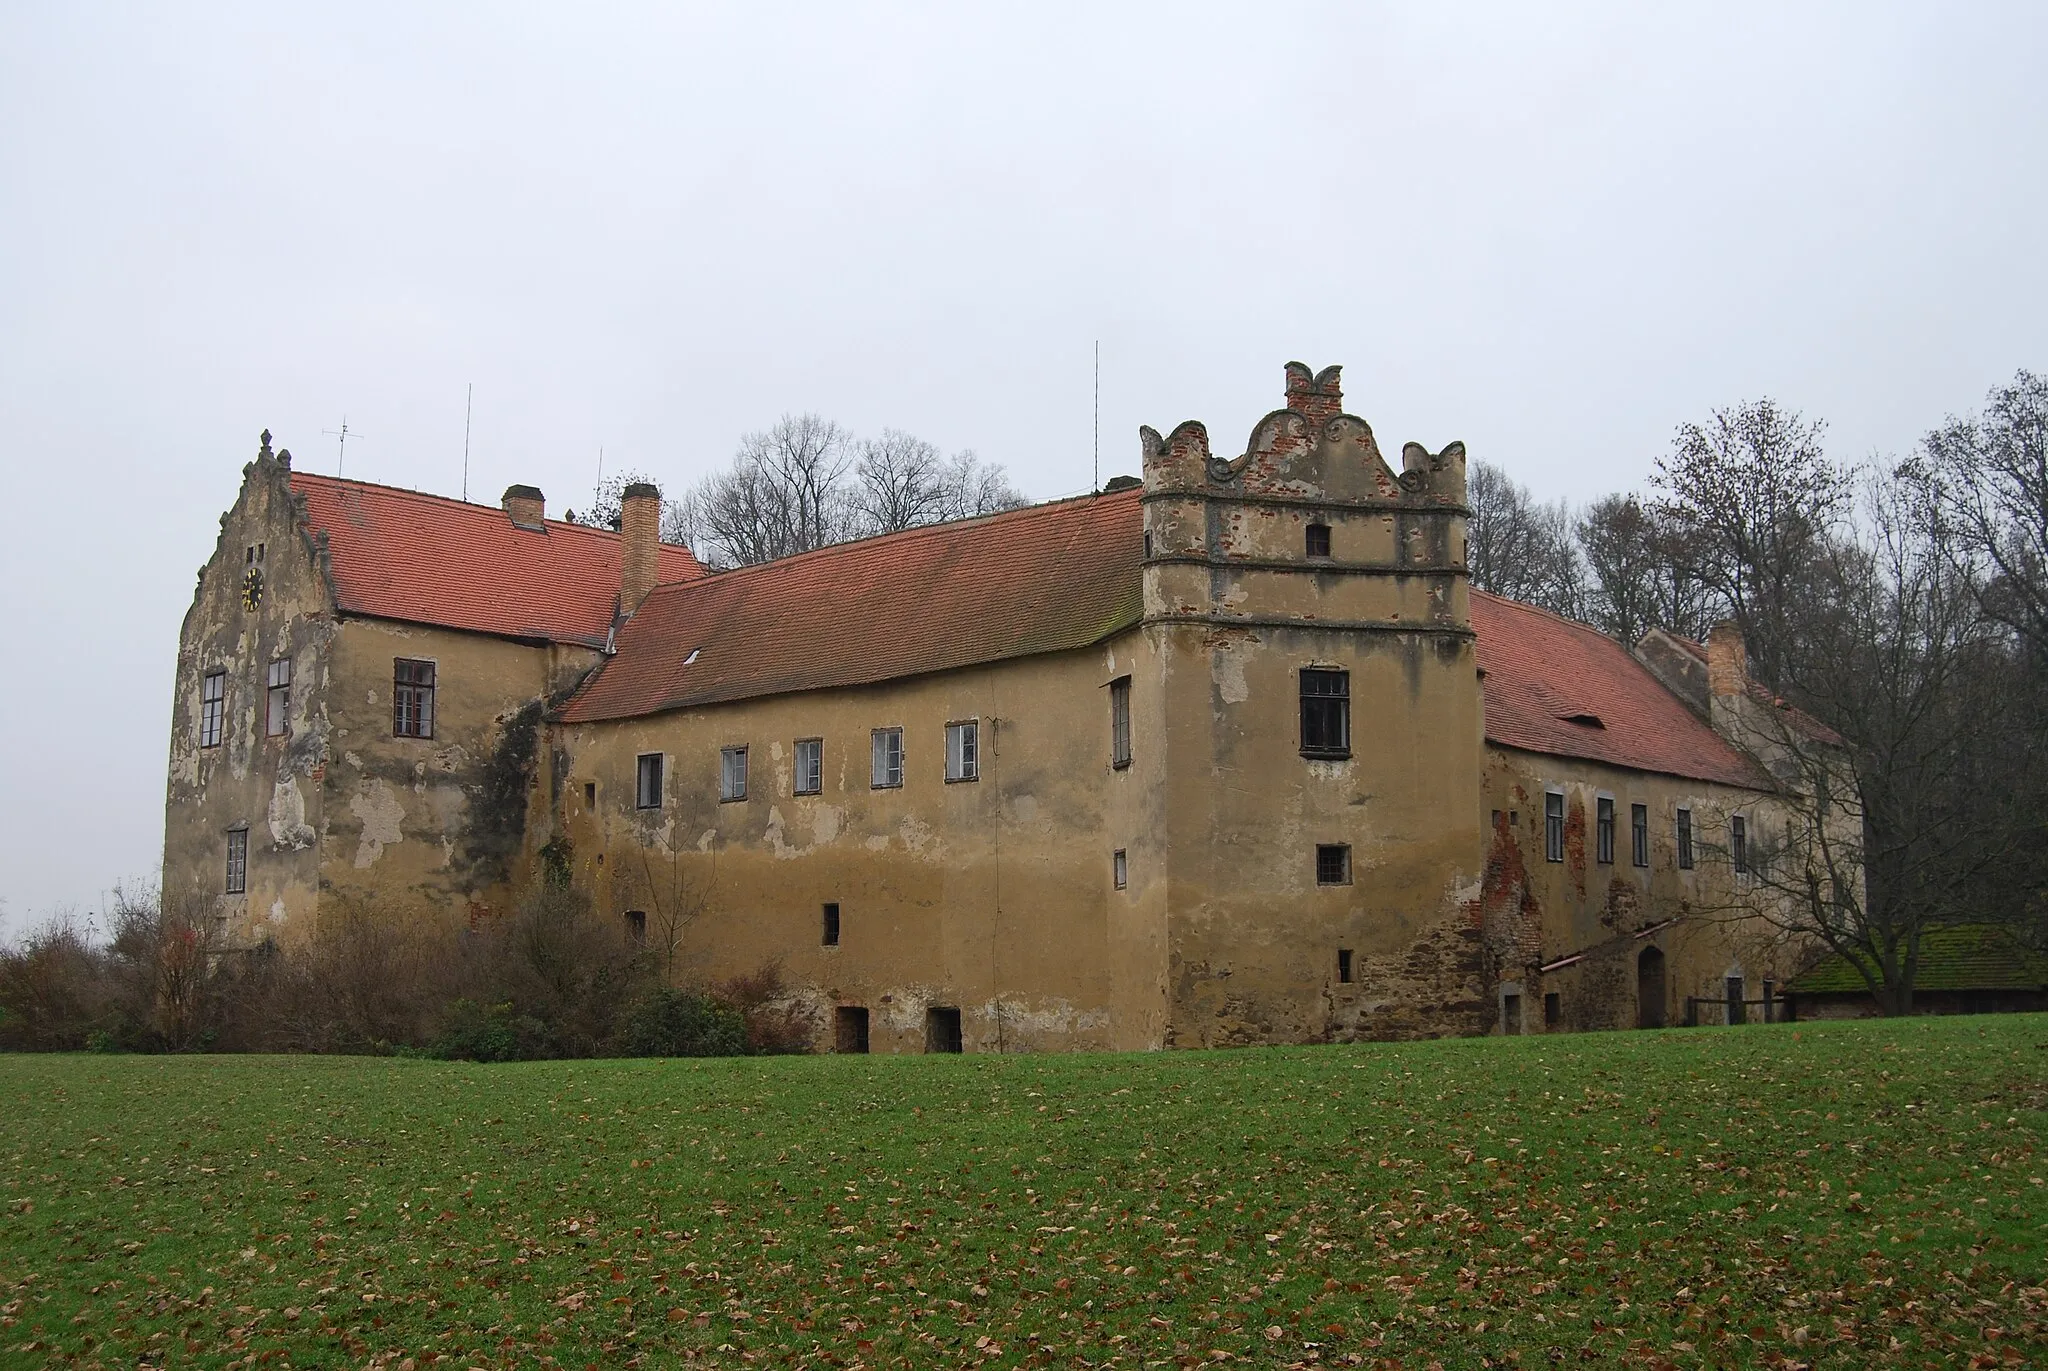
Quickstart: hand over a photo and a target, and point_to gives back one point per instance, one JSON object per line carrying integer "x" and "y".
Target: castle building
{"x": 1230, "y": 754}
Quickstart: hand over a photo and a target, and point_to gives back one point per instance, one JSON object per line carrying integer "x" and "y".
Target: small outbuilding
{"x": 1964, "y": 969}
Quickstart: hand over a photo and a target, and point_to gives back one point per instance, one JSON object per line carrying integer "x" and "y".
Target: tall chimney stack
{"x": 527, "y": 506}
{"x": 1727, "y": 661}
{"x": 639, "y": 544}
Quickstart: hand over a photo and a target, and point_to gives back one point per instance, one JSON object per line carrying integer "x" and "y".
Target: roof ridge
{"x": 1564, "y": 619}
{"x": 460, "y": 503}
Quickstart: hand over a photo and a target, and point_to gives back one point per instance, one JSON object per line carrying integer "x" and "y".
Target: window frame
{"x": 828, "y": 924}
{"x": 236, "y": 878}
{"x": 641, "y": 769}
{"x": 1639, "y": 836}
{"x": 636, "y": 927}
{"x": 1683, "y": 825}
{"x": 1553, "y": 825}
{"x": 1120, "y": 869}
{"x": 963, "y": 750}
{"x": 412, "y": 697}
{"x": 1347, "y": 967}
{"x": 213, "y": 707}
{"x": 728, "y": 793}
{"x": 1336, "y": 702}
{"x": 277, "y": 699}
{"x": 1314, "y": 534}
{"x": 1603, "y": 830}
{"x": 1342, "y": 855}
{"x": 885, "y": 758}
{"x": 1120, "y": 723}
{"x": 816, "y": 747}
{"x": 1738, "y": 843}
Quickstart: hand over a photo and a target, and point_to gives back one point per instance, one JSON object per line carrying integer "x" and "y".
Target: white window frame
{"x": 885, "y": 771}
{"x": 277, "y": 699}
{"x": 963, "y": 750}
{"x": 814, "y": 762}
{"x": 732, "y": 774}
{"x": 213, "y": 707}
{"x": 1120, "y": 869}
{"x": 641, "y": 794}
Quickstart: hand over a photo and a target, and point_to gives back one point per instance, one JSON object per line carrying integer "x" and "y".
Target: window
{"x": 412, "y": 699}
{"x": 1333, "y": 864}
{"x": 590, "y": 794}
{"x": 810, "y": 767}
{"x": 1120, "y": 722}
{"x": 238, "y": 861}
{"x": 1685, "y": 840}
{"x": 829, "y": 937}
{"x": 850, "y": 1028}
{"x": 636, "y": 927}
{"x": 1511, "y": 1014}
{"x": 1603, "y": 838}
{"x": 1553, "y": 826}
{"x": 1318, "y": 540}
{"x": 732, "y": 773}
{"x": 277, "y": 706}
{"x": 1639, "y": 835}
{"x": 1325, "y": 713}
{"x": 647, "y": 788}
{"x": 1119, "y": 869}
{"x": 1344, "y": 966}
{"x": 963, "y": 751}
{"x": 213, "y": 707}
{"x": 1553, "y": 1009}
{"x": 1738, "y": 843}
{"x": 942, "y": 1030}
{"x": 887, "y": 771}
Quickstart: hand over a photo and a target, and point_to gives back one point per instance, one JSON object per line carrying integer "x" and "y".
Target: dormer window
{"x": 1318, "y": 540}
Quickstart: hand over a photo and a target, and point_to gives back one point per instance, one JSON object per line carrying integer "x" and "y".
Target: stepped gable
{"x": 1567, "y": 689}
{"x": 427, "y": 559}
{"x": 1046, "y": 578}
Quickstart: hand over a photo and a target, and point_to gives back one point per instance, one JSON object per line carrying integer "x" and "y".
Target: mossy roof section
{"x": 1046, "y": 578}
{"x": 1961, "y": 957}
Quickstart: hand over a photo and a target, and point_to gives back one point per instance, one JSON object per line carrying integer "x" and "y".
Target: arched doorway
{"x": 1650, "y": 989}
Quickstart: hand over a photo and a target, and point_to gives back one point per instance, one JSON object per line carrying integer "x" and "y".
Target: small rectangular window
{"x": 1344, "y": 966}
{"x": 277, "y": 707}
{"x": 942, "y": 1030}
{"x": 963, "y": 750}
{"x": 412, "y": 699}
{"x": 647, "y": 789}
{"x": 213, "y": 707}
{"x": 590, "y": 794}
{"x": 1738, "y": 844}
{"x": 636, "y": 927}
{"x": 1603, "y": 842}
{"x": 1685, "y": 839}
{"x": 1553, "y": 827}
{"x": 850, "y": 1028}
{"x": 1325, "y": 713}
{"x": 1511, "y": 1014}
{"x": 887, "y": 770}
{"x": 1120, "y": 722}
{"x": 810, "y": 766}
{"x": 238, "y": 861}
{"x": 1333, "y": 864}
{"x": 1318, "y": 540}
{"x": 830, "y": 932}
{"x": 1119, "y": 869}
{"x": 1639, "y": 835}
{"x": 1553, "y": 1009}
{"x": 732, "y": 773}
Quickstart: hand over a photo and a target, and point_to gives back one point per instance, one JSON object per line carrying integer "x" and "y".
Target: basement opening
{"x": 942, "y": 1030}
{"x": 1344, "y": 966}
{"x": 850, "y": 1028}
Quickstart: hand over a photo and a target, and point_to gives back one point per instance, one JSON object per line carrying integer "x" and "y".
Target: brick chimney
{"x": 639, "y": 544}
{"x": 1727, "y": 661}
{"x": 1318, "y": 398}
{"x": 527, "y": 506}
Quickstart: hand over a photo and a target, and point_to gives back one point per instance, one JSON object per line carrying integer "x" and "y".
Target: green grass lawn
{"x": 1833, "y": 1195}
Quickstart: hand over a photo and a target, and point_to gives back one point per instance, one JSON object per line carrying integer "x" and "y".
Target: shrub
{"x": 489, "y": 1033}
{"x": 776, "y": 1026}
{"x": 666, "y": 1022}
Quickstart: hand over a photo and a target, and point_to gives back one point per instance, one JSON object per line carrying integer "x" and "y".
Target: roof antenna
{"x": 343, "y": 434}
{"x": 1097, "y": 468}
{"x": 467, "y": 405}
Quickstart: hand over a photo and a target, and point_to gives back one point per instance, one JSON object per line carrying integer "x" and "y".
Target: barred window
{"x": 1325, "y": 713}
{"x": 732, "y": 773}
{"x": 963, "y": 751}
{"x": 810, "y": 766}
{"x": 1333, "y": 864}
{"x": 213, "y": 707}
{"x": 277, "y": 706}
{"x": 1120, "y": 722}
{"x": 238, "y": 861}
{"x": 1553, "y": 826}
{"x": 412, "y": 699}
{"x": 1603, "y": 841}
{"x": 887, "y": 770}
{"x": 1318, "y": 540}
{"x": 1685, "y": 839}
{"x": 647, "y": 786}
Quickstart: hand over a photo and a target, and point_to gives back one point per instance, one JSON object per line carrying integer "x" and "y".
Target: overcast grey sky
{"x": 1551, "y": 231}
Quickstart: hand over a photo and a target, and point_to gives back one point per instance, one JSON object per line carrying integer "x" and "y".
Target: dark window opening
{"x": 412, "y": 699}
{"x": 1344, "y": 966}
{"x": 647, "y": 788}
{"x": 850, "y": 1028}
{"x": 1553, "y": 1009}
{"x": 238, "y": 861}
{"x": 1738, "y": 843}
{"x": 213, "y": 708}
{"x": 1553, "y": 827}
{"x": 1325, "y": 713}
{"x": 277, "y": 704}
{"x": 1333, "y": 864}
{"x": 1120, "y": 722}
{"x": 1119, "y": 869}
{"x": 636, "y": 927}
{"x": 1318, "y": 540}
{"x": 942, "y": 1030}
{"x": 1511, "y": 1014}
{"x": 1148, "y": 544}
{"x": 810, "y": 766}
{"x": 1496, "y": 818}
{"x": 590, "y": 794}
{"x": 1603, "y": 843}
{"x": 830, "y": 936}
{"x": 1734, "y": 992}
{"x": 1685, "y": 839}
{"x": 1639, "y": 834}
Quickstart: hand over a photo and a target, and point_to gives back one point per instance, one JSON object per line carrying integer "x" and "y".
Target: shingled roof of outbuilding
{"x": 1045, "y": 578}
{"x": 427, "y": 559}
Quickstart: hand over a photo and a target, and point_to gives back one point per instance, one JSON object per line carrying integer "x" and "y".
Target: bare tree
{"x": 1634, "y": 581}
{"x": 1519, "y": 548}
{"x": 901, "y": 481}
{"x": 1990, "y": 474}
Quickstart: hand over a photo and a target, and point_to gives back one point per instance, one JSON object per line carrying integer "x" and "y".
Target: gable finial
{"x": 264, "y": 451}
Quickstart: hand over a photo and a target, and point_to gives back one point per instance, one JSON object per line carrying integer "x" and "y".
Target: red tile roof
{"x": 1040, "y": 579}
{"x": 1548, "y": 679}
{"x": 1799, "y": 718}
{"x": 427, "y": 559}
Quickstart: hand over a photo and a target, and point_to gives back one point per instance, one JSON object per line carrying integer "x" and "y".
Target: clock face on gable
{"x": 252, "y": 589}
